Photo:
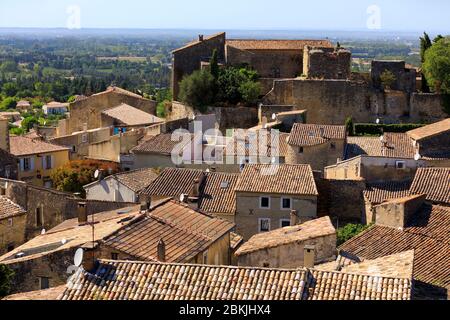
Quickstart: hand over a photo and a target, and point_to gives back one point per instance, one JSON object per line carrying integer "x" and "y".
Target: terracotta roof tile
{"x": 131, "y": 116}
{"x": 258, "y": 143}
{"x": 47, "y": 294}
{"x": 172, "y": 182}
{"x": 314, "y": 134}
{"x": 427, "y": 233}
{"x": 136, "y": 180}
{"x": 9, "y": 209}
{"x": 434, "y": 182}
{"x": 430, "y": 130}
{"x": 23, "y": 146}
{"x": 308, "y": 230}
{"x": 396, "y": 145}
{"x": 281, "y": 179}
{"x": 377, "y": 193}
{"x": 128, "y": 280}
{"x": 160, "y": 144}
{"x": 251, "y": 44}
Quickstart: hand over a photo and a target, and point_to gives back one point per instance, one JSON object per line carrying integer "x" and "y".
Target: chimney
{"x": 161, "y": 250}
{"x": 145, "y": 205}
{"x": 82, "y": 213}
{"x": 89, "y": 260}
{"x": 395, "y": 213}
{"x": 294, "y": 218}
{"x": 200, "y": 37}
{"x": 309, "y": 255}
{"x": 101, "y": 174}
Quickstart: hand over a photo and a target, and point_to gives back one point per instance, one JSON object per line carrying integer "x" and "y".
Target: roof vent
{"x": 161, "y": 250}
{"x": 200, "y": 37}
{"x": 224, "y": 184}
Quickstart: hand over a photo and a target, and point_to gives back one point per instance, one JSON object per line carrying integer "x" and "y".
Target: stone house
{"x": 9, "y": 168}
{"x": 125, "y": 117}
{"x": 171, "y": 232}
{"x": 121, "y": 187}
{"x": 327, "y": 63}
{"x": 12, "y": 224}
{"x": 316, "y": 145}
{"x": 409, "y": 224}
{"x": 48, "y": 259}
{"x": 303, "y": 245}
{"x": 86, "y": 113}
{"x": 23, "y": 106}
{"x": 38, "y": 159}
{"x": 55, "y": 108}
{"x": 266, "y": 195}
{"x": 210, "y": 192}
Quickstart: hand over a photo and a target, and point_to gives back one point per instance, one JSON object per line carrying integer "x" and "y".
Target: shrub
{"x": 437, "y": 66}
{"x": 197, "y": 89}
{"x": 350, "y": 126}
{"x": 349, "y": 231}
{"x": 372, "y": 129}
{"x": 6, "y": 275}
{"x": 387, "y": 79}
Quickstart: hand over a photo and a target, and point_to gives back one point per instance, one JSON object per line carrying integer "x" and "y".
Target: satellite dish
{"x": 78, "y": 257}
{"x": 417, "y": 157}
{"x": 273, "y": 159}
{"x": 43, "y": 231}
{"x": 377, "y": 121}
{"x": 182, "y": 198}
{"x": 274, "y": 116}
{"x": 207, "y": 170}
{"x": 96, "y": 174}
{"x": 381, "y": 138}
{"x": 63, "y": 240}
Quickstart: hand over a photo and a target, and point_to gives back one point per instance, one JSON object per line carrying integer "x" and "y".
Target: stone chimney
{"x": 294, "y": 218}
{"x": 89, "y": 260}
{"x": 396, "y": 212}
{"x": 161, "y": 250}
{"x": 200, "y": 37}
{"x": 145, "y": 205}
{"x": 82, "y": 213}
{"x": 309, "y": 255}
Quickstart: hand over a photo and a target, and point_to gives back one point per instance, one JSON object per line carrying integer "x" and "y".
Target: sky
{"x": 385, "y": 15}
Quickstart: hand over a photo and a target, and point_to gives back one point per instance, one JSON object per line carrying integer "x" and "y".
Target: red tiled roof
{"x": 314, "y": 134}
{"x": 430, "y": 130}
{"x": 9, "y": 209}
{"x": 379, "y": 192}
{"x": 395, "y": 145}
{"x": 252, "y": 44}
{"x": 434, "y": 182}
{"x": 282, "y": 179}
{"x": 161, "y": 144}
{"x": 23, "y": 146}
{"x": 131, "y": 116}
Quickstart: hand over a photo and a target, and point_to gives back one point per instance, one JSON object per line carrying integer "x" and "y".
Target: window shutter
{"x": 52, "y": 162}
{"x": 44, "y": 162}
{"x": 21, "y": 165}
{"x": 32, "y": 164}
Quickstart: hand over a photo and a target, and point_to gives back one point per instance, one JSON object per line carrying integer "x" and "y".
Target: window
{"x": 266, "y": 265}
{"x": 38, "y": 217}
{"x": 285, "y": 223}
{"x": 114, "y": 256}
{"x": 264, "y": 202}
{"x": 26, "y": 164}
{"x": 400, "y": 164}
{"x": 285, "y": 203}
{"x": 74, "y": 149}
{"x": 47, "y": 162}
{"x": 10, "y": 247}
{"x": 84, "y": 138}
{"x": 300, "y": 150}
{"x": 264, "y": 225}
{"x": 10, "y": 222}
{"x": 44, "y": 282}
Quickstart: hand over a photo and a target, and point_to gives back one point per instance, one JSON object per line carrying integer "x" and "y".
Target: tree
{"x": 29, "y": 122}
{"x": 197, "y": 89}
{"x": 437, "y": 66}
{"x": 6, "y": 276}
{"x": 8, "y": 103}
{"x": 10, "y": 89}
{"x": 75, "y": 174}
{"x": 425, "y": 44}
{"x": 214, "y": 65}
{"x": 387, "y": 78}
{"x": 250, "y": 91}
{"x": 350, "y": 126}
{"x": 349, "y": 231}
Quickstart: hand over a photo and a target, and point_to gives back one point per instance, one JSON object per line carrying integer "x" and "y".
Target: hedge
{"x": 362, "y": 129}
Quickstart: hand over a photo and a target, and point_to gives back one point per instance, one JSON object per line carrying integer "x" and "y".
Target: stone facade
{"x": 326, "y": 63}
{"x": 395, "y": 213}
{"x": 4, "y": 133}
{"x": 188, "y": 59}
{"x": 405, "y": 79}
{"x": 85, "y": 114}
{"x": 11, "y": 232}
{"x": 9, "y": 167}
{"x": 249, "y": 213}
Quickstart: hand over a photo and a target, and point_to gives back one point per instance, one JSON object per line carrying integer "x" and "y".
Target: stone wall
{"x": 342, "y": 200}
{"x": 326, "y": 63}
{"x": 332, "y": 101}
{"x": 405, "y": 79}
{"x": 88, "y": 111}
{"x": 11, "y": 232}
{"x": 4, "y": 133}
{"x": 9, "y": 167}
{"x": 291, "y": 255}
{"x": 188, "y": 58}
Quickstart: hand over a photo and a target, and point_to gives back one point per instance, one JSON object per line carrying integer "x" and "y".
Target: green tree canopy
{"x": 197, "y": 89}
{"x": 349, "y": 231}
{"x": 437, "y": 66}
{"x": 8, "y": 103}
{"x": 6, "y": 275}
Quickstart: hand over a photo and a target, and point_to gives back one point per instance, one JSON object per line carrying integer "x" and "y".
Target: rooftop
{"x": 119, "y": 91}
{"x": 280, "y": 179}
{"x": 434, "y": 182}
{"x": 131, "y": 116}
{"x": 47, "y": 294}
{"x": 258, "y": 143}
{"x": 160, "y": 144}
{"x": 377, "y": 193}
{"x": 70, "y": 234}
{"x": 9, "y": 209}
{"x": 395, "y": 145}
{"x": 309, "y": 230}
{"x": 314, "y": 134}
{"x": 55, "y": 104}
{"x": 430, "y": 130}
{"x": 131, "y": 280}
{"x": 426, "y": 233}
{"x": 23, "y": 146}
{"x": 136, "y": 180}
{"x": 185, "y": 232}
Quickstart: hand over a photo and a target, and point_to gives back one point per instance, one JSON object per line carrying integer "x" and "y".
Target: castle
{"x": 314, "y": 75}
